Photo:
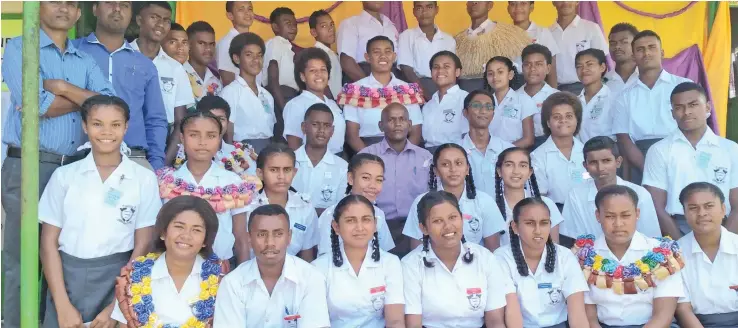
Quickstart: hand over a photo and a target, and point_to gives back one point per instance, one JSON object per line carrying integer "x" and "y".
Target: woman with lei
{"x": 176, "y": 286}
{"x": 635, "y": 281}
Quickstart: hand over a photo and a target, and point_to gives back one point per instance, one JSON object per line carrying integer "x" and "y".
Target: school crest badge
{"x": 720, "y": 174}
{"x": 474, "y": 295}
{"x": 474, "y": 223}
{"x": 126, "y": 214}
{"x": 510, "y": 112}
{"x": 595, "y": 112}
{"x": 326, "y": 193}
{"x": 167, "y": 84}
{"x": 448, "y": 115}
{"x": 377, "y": 297}
{"x": 555, "y": 295}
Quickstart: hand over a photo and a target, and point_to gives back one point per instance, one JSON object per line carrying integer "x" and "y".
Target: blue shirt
{"x": 62, "y": 134}
{"x": 136, "y": 81}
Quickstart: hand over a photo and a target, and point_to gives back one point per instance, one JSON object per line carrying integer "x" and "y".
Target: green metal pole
{"x": 29, "y": 168}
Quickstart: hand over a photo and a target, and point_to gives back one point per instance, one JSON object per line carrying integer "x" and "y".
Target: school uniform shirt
{"x": 708, "y": 283}
{"x": 481, "y": 218}
{"x": 324, "y": 230}
{"x": 415, "y": 50}
{"x": 297, "y": 300}
{"x": 99, "y": 218}
{"x": 358, "y": 300}
{"x": 225, "y": 152}
{"x": 483, "y": 164}
{"x": 355, "y": 31}
{"x": 279, "y": 49}
{"x": 616, "y": 83}
{"x": 368, "y": 118}
{"x": 629, "y": 116}
{"x": 324, "y": 183}
{"x": 303, "y": 220}
{"x": 457, "y": 297}
{"x": 539, "y": 35}
{"x": 596, "y": 115}
{"x": 579, "y": 211}
{"x": 336, "y": 75}
{"x": 580, "y": 35}
{"x": 174, "y": 82}
{"x": 671, "y": 164}
{"x": 537, "y": 99}
{"x": 294, "y": 115}
{"x": 555, "y": 215}
{"x": 556, "y": 175}
{"x": 444, "y": 119}
{"x": 201, "y": 87}
{"x": 542, "y": 295}
{"x": 252, "y": 115}
{"x": 222, "y": 58}
{"x": 507, "y": 123}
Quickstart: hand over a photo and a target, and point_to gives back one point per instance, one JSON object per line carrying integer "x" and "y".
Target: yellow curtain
{"x": 717, "y": 63}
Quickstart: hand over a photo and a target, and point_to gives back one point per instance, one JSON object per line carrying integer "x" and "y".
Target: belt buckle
{"x": 63, "y": 157}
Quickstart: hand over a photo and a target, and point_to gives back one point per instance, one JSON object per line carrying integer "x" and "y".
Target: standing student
{"x": 621, "y": 51}
{"x": 520, "y": 13}
{"x": 596, "y": 97}
{"x": 451, "y": 282}
{"x": 443, "y": 115}
{"x": 275, "y": 289}
{"x": 550, "y": 286}
{"x": 514, "y": 120}
{"x": 97, "y": 215}
{"x": 201, "y": 38}
{"x": 323, "y": 29}
{"x": 279, "y": 58}
{"x": 482, "y": 219}
{"x": 537, "y": 64}
{"x": 176, "y": 44}
{"x": 241, "y": 15}
{"x": 364, "y": 283}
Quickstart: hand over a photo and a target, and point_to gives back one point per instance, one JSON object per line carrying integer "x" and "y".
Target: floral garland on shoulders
{"x": 356, "y": 95}
{"x": 659, "y": 263}
{"x": 221, "y": 198}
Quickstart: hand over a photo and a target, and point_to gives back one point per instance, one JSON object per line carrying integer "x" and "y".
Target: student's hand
{"x": 245, "y": 165}
{"x": 68, "y": 316}
{"x": 57, "y": 87}
{"x": 103, "y": 320}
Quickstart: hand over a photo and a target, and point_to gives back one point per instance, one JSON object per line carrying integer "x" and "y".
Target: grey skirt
{"x": 718, "y": 320}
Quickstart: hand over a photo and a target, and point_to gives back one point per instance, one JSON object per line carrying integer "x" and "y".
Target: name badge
{"x": 576, "y": 175}
{"x": 300, "y": 227}
{"x": 510, "y": 112}
{"x": 544, "y": 286}
{"x": 112, "y": 197}
{"x": 379, "y": 289}
{"x": 703, "y": 159}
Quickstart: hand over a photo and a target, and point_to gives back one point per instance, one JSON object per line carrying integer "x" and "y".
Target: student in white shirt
{"x": 201, "y": 37}
{"x": 320, "y": 174}
{"x": 693, "y": 153}
{"x": 482, "y": 219}
{"x": 312, "y": 72}
{"x": 449, "y": 282}
{"x": 550, "y": 286}
{"x": 279, "y": 59}
{"x": 96, "y": 215}
{"x": 364, "y": 283}
{"x": 275, "y": 289}
{"x": 323, "y": 29}
{"x": 176, "y": 43}
{"x": 621, "y": 51}
{"x": 442, "y": 114}
{"x": 711, "y": 252}
{"x": 354, "y": 35}
{"x": 643, "y": 291}
{"x": 537, "y": 61}
{"x": 241, "y": 15}
{"x": 182, "y": 270}
{"x": 520, "y": 13}
{"x": 514, "y": 120}
{"x": 596, "y": 97}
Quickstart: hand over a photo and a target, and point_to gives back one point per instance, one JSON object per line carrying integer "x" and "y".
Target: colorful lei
{"x": 220, "y": 198}
{"x": 661, "y": 262}
{"x": 231, "y": 161}
{"x": 366, "y": 97}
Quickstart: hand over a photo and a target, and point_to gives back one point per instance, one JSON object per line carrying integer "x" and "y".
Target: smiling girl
{"x": 513, "y": 120}
{"x": 443, "y": 120}
{"x": 596, "y": 98}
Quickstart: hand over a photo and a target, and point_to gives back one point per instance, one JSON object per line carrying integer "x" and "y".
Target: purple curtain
{"x": 590, "y": 11}
{"x": 395, "y": 12}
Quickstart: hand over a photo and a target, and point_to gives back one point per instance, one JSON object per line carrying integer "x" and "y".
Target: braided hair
{"x": 471, "y": 190}
{"x": 339, "y": 210}
{"x": 357, "y": 161}
{"x": 499, "y": 183}
{"x": 517, "y": 80}
{"x": 515, "y": 239}
{"x": 426, "y": 203}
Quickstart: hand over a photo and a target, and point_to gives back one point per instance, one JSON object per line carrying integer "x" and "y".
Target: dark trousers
{"x": 288, "y": 93}
{"x": 636, "y": 175}
{"x": 470, "y": 85}
{"x": 402, "y": 242}
{"x": 575, "y": 88}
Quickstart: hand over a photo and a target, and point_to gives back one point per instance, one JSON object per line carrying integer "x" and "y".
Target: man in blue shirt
{"x": 134, "y": 78}
{"x": 67, "y": 78}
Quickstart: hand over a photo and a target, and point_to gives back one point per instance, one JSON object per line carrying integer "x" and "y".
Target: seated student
{"x": 204, "y": 80}
{"x": 358, "y": 262}
{"x": 693, "y": 153}
{"x": 276, "y": 167}
{"x": 252, "y": 107}
{"x": 320, "y": 174}
{"x": 711, "y": 251}
{"x": 621, "y": 51}
{"x": 241, "y": 15}
{"x": 275, "y": 289}
{"x": 537, "y": 61}
{"x": 383, "y": 88}
{"x": 602, "y": 159}
{"x": 365, "y": 178}
{"x": 515, "y": 181}
{"x": 630, "y": 287}
{"x": 180, "y": 276}
{"x": 482, "y": 219}
{"x": 96, "y": 215}
{"x": 550, "y": 286}
{"x": 596, "y": 97}
{"x": 443, "y": 121}
{"x": 176, "y": 44}
{"x": 451, "y": 282}
{"x": 312, "y": 68}
{"x": 417, "y": 46}
{"x": 514, "y": 120}
{"x": 520, "y": 13}
{"x": 323, "y": 29}
{"x": 279, "y": 58}
{"x": 482, "y": 147}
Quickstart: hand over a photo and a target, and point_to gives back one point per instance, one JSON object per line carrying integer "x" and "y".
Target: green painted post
{"x": 29, "y": 170}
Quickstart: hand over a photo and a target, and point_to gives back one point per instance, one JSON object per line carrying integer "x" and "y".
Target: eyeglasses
{"x": 480, "y": 106}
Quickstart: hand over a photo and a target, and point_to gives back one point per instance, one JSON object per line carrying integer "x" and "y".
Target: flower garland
{"x": 220, "y": 198}
{"x": 231, "y": 161}
{"x": 365, "y": 97}
{"x": 661, "y": 262}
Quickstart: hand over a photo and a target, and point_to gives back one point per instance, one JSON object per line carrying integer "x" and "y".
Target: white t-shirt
{"x": 355, "y": 31}
{"x": 537, "y": 99}
{"x": 294, "y": 115}
{"x": 324, "y": 183}
{"x": 557, "y": 175}
{"x": 336, "y": 75}
{"x": 507, "y": 123}
{"x": 483, "y": 165}
{"x": 252, "y": 115}
{"x": 444, "y": 120}
{"x": 324, "y": 230}
{"x": 416, "y": 51}
{"x": 209, "y": 85}
{"x": 279, "y": 49}
{"x": 303, "y": 220}
{"x": 580, "y": 35}
{"x": 596, "y": 115}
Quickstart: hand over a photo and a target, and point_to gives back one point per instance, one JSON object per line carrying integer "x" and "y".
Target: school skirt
{"x": 90, "y": 285}
{"x": 429, "y": 87}
{"x": 718, "y": 320}
{"x": 629, "y": 326}
{"x": 636, "y": 175}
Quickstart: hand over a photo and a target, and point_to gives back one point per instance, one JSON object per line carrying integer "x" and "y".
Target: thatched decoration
{"x": 475, "y": 50}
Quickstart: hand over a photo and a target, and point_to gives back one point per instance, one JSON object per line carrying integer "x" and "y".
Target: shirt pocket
{"x": 550, "y": 295}
{"x": 299, "y": 230}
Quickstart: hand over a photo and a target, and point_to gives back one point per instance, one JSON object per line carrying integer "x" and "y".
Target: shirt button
{"x": 72, "y": 142}
{"x": 67, "y": 79}
{"x": 73, "y": 120}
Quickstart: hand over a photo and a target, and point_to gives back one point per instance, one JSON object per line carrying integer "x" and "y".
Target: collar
{"x": 160, "y": 270}
{"x": 92, "y": 38}
{"x": 532, "y": 27}
{"x": 301, "y": 156}
{"x": 160, "y": 54}
{"x": 639, "y": 242}
{"x": 550, "y": 147}
{"x": 664, "y": 76}
{"x": 294, "y": 199}
{"x": 482, "y": 27}
{"x": 450, "y": 91}
{"x": 325, "y": 48}
{"x": 709, "y": 138}
{"x": 463, "y": 193}
{"x": 604, "y": 92}
{"x": 574, "y": 23}
{"x": 728, "y": 242}
{"x": 212, "y": 171}
{"x": 289, "y": 270}
{"x": 233, "y": 31}
{"x": 468, "y": 144}
{"x": 125, "y": 167}
{"x": 612, "y": 75}
{"x": 368, "y": 17}
{"x": 280, "y": 39}
{"x": 509, "y": 95}
{"x": 433, "y": 257}
{"x": 592, "y": 188}
{"x": 191, "y": 70}
{"x": 245, "y": 85}
{"x": 373, "y": 81}
{"x": 384, "y": 146}
{"x": 437, "y": 35}
{"x": 367, "y": 263}
{"x": 45, "y": 41}
{"x": 312, "y": 96}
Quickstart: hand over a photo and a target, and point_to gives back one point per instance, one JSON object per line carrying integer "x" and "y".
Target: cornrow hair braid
{"x": 426, "y": 241}
{"x": 468, "y": 256}
{"x": 348, "y": 189}
{"x": 375, "y": 247}
{"x": 471, "y": 189}
{"x": 551, "y": 256}
{"x": 500, "y": 198}
{"x": 534, "y": 185}
{"x": 336, "y": 249}
{"x": 518, "y": 254}
{"x": 432, "y": 184}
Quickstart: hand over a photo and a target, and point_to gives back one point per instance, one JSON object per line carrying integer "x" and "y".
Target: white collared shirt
{"x": 217, "y": 177}
{"x": 481, "y": 218}
{"x": 252, "y": 115}
{"x": 579, "y": 211}
{"x": 325, "y": 182}
{"x": 625, "y": 310}
{"x": 386, "y": 243}
{"x": 507, "y": 123}
{"x": 485, "y": 27}
{"x": 596, "y": 115}
{"x": 294, "y": 115}
{"x": 355, "y": 31}
{"x": 557, "y": 175}
{"x": 483, "y": 165}
{"x": 456, "y": 298}
{"x": 415, "y": 50}
{"x": 553, "y": 210}
{"x": 707, "y": 283}
{"x": 537, "y": 99}
{"x": 616, "y": 83}
{"x": 335, "y": 77}
{"x": 222, "y": 57}
{"x": 444, "y": 120}
{"x": 210, "y": 85}
{"x": 358, "y": 300}
{"x": 543, "y": 295}
{"x": 172, "y": 306}
{"x": 243, "y": 299}
{"x": 225, "y": 152}
{"x": 629, "y": 116}
{"x": 580, "y": 35}
{"x": 368, "y": 118}
{"x": 99, "y": 218}
{"x": 672, "y": 163}
{"x": 279, "y": 49}
{"x": 173, "y": 80}
{"x": 303, "y": 220}
{"x": 541, "y": 35}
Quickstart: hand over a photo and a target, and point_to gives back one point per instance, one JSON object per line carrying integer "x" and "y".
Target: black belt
{"x": 47, "y": 157}
{"x": 137, "y": 152}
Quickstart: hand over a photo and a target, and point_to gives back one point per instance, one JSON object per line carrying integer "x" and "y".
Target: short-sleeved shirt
{"x": 507, "y": 123}
{"x": 355, "y": 31}
{"x": 324, "y": 183}
{"x": 279, "y": 49}
{"x": 537, "y": 99}
{"x": 252, "y": 115}
{"x": 223, "y": 59}
{"x": 294, "y": 115}
{"x": 416, "y": 51}
{"x": 444, "y": 120}
{"x": 324, "y": 230}
{"x": 210, "y": 85}
{"x": 615, "y": 81}
{"x": 557, "y": 175}
{"x": 672, "y": 163}
{"x": 539, "y": 35}
{"x": 303, "y": 220}
{"x": 596, "y": 115}
{"x": 483, "y": 165}
{"x": 336, "y": 75}
{"x": 580, "y": 35}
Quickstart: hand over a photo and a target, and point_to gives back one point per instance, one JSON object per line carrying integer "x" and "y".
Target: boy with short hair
{"x": 279, "y": 59}
{"x": 204, "y": 81}
{"x": 537, "y": 64}
{"x": 621, "y": 51}
{"x": 323, "y": 29}
{"x": 520, "y": 13}
{"x": 175, "y": 44}
{"x": 241, "y": 15}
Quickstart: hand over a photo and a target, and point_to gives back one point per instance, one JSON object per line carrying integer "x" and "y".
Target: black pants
{"x": 402, "y": 242}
